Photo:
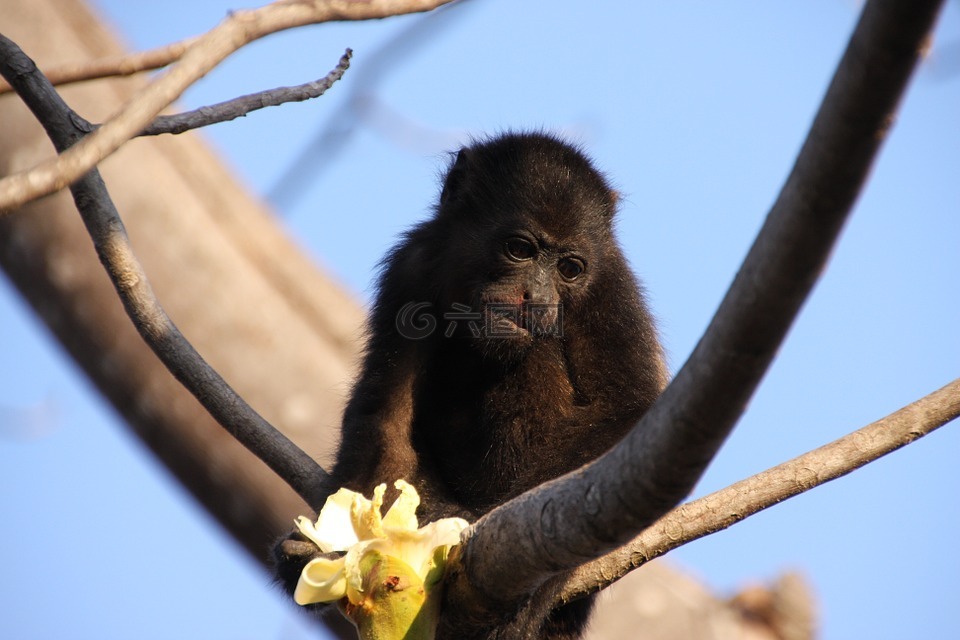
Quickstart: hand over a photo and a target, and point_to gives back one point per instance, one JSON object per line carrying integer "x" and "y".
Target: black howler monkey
{"x": 508, "y": 344}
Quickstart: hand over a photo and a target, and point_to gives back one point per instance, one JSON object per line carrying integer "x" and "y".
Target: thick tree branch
{"x": 239, "y": 29}
{"x": 106, "y": 229}
{"x": 726, "y": 507}
{"x": 511, "y": 551}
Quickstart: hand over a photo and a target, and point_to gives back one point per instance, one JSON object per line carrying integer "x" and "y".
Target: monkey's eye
{"x": 570, "y": 268}
{"x": 519, "y": 249}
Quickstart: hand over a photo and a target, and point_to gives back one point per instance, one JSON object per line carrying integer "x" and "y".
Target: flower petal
{"x": 322, "y": 580}
{"x": 403, "y": 513}
{"x": 365, "y": 514}
{"x": 350, "y": 522}
{"x": 444, "y": 533}
{"x": 352, "y": 572}
{"x": 334, "y": 529}
{"x": 416, "y": 547}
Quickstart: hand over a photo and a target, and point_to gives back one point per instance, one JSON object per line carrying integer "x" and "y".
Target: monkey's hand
{"x": 291, "y": 554}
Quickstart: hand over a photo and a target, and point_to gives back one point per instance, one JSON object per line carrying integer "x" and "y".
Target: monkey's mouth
{"x": 504, "y": 320}
{"x": 523, "y": 320}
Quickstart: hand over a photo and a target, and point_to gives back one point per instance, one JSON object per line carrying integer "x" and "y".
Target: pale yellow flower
{"x": 350, "y": 522}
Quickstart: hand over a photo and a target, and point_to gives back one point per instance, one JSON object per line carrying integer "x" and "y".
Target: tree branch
{"x": 113, "y": 66}
{"x": 236, "y": 107}
{"x": 240, "y": 28}
{"x": 110, "y": 240}
{"x": 241, "y": 106}
{"x": 510, "y": 552}
{"x": 726, "y": 507}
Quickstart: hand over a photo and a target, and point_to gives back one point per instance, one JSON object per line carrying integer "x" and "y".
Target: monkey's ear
{"x": 614, "y": 203}
{"x": 454, "y": 179}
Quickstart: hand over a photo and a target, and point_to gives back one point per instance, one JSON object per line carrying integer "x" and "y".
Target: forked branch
{"x": 511, "y": 551}
{"x": 240, "y": 28}
{"x": 730, "y": 505}
{"x": 65, "y": 128}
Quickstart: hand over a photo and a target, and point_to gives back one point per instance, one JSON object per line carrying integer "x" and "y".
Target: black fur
{"x": 552, "y": 360}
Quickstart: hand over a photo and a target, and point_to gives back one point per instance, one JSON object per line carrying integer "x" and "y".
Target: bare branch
{"x": 726, "y": 507}
{"x": 238, "y": 107}
{"x": 240, "y": 28}
{"x": 113, "y": 66}
{"x": 511, "y": 551}
{"x": 110, "y": 239}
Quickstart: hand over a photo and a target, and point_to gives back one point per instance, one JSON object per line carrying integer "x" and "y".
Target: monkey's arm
{"x": 376, "y": 442}
{"x": 374, "y": 447}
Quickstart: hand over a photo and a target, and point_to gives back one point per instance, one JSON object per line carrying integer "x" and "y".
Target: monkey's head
{"x": 526, "y": 222}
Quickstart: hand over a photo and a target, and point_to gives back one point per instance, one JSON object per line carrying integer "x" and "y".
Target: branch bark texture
{"x": 730, "y": 505}
{"x": 239, "y": 107}
{"x": 508, "y": 554}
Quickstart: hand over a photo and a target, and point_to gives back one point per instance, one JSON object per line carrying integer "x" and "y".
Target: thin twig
{"x": 238, "y": 107}
{"x": 113, "y": 66}
{"x": 240, "y": 28}
{"x": 509, "y": 553}
{"x": 110, "y": 239}
{"x": 726, "y": 507}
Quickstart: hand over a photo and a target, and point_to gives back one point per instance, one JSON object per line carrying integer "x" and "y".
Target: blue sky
{"x": 695, "y": 111}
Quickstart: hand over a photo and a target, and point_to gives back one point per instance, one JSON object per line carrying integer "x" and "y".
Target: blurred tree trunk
{"x": 280, "y": 331}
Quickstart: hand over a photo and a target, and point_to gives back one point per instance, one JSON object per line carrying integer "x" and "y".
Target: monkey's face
{"x": 516, "y": 285}
{"x": 529, "y": 286}
{"x": 525, "y": 224}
